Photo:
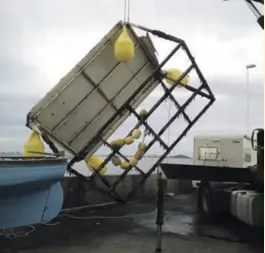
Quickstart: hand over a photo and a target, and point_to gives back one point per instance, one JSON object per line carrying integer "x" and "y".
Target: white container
{"x": 224, "y": 151}
{"x": 75, "y": 110}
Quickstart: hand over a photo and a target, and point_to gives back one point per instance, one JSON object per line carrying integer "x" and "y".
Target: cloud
{"x": 42, "y": 41}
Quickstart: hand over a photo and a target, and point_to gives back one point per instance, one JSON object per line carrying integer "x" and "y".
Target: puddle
{"x": 176, "y": 223}
{"x": 179, "y": 224}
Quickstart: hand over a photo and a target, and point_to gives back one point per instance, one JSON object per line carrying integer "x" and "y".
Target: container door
{"x": 206, "y": 153}
{"x": 209, "y": 153}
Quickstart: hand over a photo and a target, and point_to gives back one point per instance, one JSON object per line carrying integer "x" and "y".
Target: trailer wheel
{"x": 205, "y": 207}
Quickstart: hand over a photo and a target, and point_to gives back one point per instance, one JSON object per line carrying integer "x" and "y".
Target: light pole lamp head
{"x": 250, "y": 66}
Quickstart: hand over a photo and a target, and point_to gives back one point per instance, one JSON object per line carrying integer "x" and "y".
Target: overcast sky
{"x": 42, "y": 40}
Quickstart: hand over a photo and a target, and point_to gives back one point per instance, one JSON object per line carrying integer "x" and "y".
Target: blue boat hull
{"x": 30, "y": 190}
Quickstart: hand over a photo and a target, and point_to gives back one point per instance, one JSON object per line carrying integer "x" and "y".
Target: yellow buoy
{"x": 175, "y": 75}
{"x": 129, "y": 140}
{"x": 133, "y": 162}
{"x": 94, "y": 162}
{"x": 117, "y": 143}
{"x": 136, "y": 133}
{"x": 123, "y": 47}
{"x": 120, "y": 142}
{"x": 116, "y": 161}
{"x": 125, "y": 165}
{"x": 138, "y": 155}
{"x": 143, "y": 113}
{"x": 142, "y": 146}
{"x": 34, "y": 144}
{"x": 113, "y": 144}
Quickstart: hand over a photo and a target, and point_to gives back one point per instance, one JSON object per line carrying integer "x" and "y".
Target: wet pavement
{"x": 132, "y": 228}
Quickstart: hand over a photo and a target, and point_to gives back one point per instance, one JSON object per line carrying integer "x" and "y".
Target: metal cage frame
{"x": 203, "y": 91}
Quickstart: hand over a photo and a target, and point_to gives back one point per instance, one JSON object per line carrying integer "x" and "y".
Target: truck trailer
{"x": 236, "y": 190}
{"x": 223, "y": 151}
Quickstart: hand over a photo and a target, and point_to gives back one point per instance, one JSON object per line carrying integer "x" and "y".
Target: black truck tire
{"x": 205, "y": 202}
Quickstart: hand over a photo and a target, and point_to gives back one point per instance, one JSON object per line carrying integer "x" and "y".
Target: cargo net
{"x": 175, "y": 101}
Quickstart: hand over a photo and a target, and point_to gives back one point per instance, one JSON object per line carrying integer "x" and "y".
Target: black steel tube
{"x": 157, "y": 137}
{"x": 74, "y": 172}
{"x": 106, "y": 182}
{"x": 158, "y": 239}
{"x": 253, "y": 8}
{"x": 182, "y": 108}
{"x": 171, "y": 97}
{"x": 192, "y": 89}
{"x": 158, "y": 33}
{"x": 160, "y": 201}
{"x": 169, "y": 91}
{"x": 205, "y": 84}
{"x": 160, "y": 211}
{"x": 186, "y": 49}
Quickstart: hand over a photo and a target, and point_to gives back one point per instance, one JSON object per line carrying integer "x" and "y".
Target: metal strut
{"x": 160, "y": 211}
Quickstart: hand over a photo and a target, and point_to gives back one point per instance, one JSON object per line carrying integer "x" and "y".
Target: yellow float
{"x": 123, "y": 47}
{"x": 117, "y": 143}
{"x": 142, "y": 146}
{"x": 136, "y": 133}
{"x": 35, "y": 144}
{"x": 139, "y": 155}
{"x": 143, "y": 113}
{"x": 125, "y": 165}
{"x": 129, "y": 140}
{"x": 175, "y": 75}
{"x": 93, "y": 164}
{"x": 116, "y": 161}
{"x": 133, "y": 162}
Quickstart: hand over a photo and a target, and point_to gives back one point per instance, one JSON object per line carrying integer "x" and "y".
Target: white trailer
{"x": 219, "y": 150}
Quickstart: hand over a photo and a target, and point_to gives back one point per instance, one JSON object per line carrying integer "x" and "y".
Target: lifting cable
{"x": 126, "y": 13}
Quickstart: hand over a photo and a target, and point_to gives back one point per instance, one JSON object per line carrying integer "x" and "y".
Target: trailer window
{"x": 208, "y": 153}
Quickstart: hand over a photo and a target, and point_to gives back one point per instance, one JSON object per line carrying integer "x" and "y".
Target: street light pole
{"x": 249, "y": 66}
